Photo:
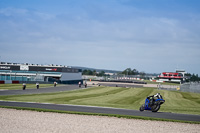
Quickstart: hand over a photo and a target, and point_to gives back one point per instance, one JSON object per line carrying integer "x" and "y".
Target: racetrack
{"x": 40, "y": 90}
{"x": 89, "y": 109}
{"x": 102, "y": 110}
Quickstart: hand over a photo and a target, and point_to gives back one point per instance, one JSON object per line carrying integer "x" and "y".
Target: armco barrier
{"x": 2, "y": 82}
{"x": 9, "y": 82}
{"x": 15, "y": 82}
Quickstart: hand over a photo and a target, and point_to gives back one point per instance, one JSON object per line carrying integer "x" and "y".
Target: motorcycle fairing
{"x": 147, "y": 101}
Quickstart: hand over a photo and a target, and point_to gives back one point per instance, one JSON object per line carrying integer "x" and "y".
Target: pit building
{"x": 24, "y": 72}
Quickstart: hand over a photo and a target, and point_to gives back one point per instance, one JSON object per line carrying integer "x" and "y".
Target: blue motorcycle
{"x": 152, "y": 103}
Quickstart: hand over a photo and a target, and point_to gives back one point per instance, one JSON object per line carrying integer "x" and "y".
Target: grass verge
{"x": 99, "y": 114}
{"x": 116, "y": 97}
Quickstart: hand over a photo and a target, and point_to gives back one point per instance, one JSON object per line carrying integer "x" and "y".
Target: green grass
{"x": 19, "y": 86}
{"x": 117, "y": 97}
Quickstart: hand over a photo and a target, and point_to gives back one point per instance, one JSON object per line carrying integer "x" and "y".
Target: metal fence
{"x": 190, "y": 87}
{"x": 169, "y": 87}
{"x": 186, "y": 87}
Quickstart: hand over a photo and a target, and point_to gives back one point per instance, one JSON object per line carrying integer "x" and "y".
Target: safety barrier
{"x": 9, "y": 82}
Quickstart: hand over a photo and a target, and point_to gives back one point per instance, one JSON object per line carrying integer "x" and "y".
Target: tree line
{"x": 94, "y": 73}
{"x": 130, "y": 71}
{"x": 127, "y": 71}
{"x": 192, "y": 77}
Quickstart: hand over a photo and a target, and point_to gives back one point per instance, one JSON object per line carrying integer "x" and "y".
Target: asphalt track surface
{"x": 120, "y": 85}
{"x": 40, "y": 90}
{"x": 88, "y": 109}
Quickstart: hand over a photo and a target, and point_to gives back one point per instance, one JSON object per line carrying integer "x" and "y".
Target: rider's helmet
{"x": 158, "y": 95}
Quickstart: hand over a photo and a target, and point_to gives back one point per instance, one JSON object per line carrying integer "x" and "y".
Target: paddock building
{"x": 24, "y": 72}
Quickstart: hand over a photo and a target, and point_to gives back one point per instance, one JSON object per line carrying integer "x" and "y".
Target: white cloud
{"x": 140, "y": 41}
{"x": 13, "y": 12}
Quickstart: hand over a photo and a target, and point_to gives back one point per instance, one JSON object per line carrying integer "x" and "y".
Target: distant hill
{"x": 110, "y": 71}
{"x": 97, "y": 70}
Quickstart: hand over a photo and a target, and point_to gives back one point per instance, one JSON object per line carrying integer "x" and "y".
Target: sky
{"x": 152, "y": 36}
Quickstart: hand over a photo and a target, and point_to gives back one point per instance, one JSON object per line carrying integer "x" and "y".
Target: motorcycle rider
{"x": 152, "y": 103}
{"x": 153, "y": 97}
{"x": 37, "y": 85}
{"x": 158, "y": 96}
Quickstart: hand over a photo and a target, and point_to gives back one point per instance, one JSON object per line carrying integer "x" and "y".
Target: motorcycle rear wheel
{"x": 142, "y": 107}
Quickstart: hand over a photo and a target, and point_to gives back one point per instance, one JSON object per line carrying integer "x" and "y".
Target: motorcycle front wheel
{"x": 155, "y": 108}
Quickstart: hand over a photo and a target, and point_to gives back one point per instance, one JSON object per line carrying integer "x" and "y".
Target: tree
{"x": 84, "y": 72}
{"x": 194, "y": 78}
{"x": 135, "y": 72}
{"x": 94, "y": 72}
{"x": 128, "y": 71}
{"x": 142, "y": 74}
{"x": 90, "y": 72}
{"x": 102, "y": 73}
{"x": 188, "y": 75}
{"x": 87, "y": 72}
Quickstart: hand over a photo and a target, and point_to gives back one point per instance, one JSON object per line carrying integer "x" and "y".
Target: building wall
{"x": 23, "y": 72}
{"x": 71, "y": 76}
